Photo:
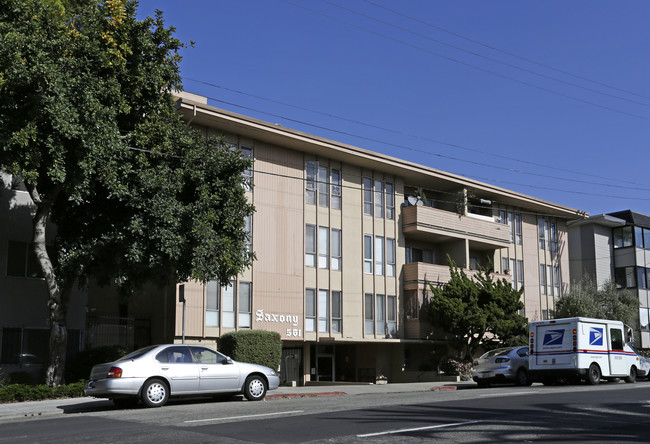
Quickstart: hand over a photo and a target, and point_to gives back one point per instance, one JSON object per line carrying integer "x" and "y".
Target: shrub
{"x": 453, "y": 367}
{"x": 254, "y": 346}
{"x": 19, "y": 393}
{"x": 78, "y": 368}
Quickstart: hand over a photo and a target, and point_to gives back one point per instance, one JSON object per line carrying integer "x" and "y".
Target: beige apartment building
{"x": 348, "y": 242}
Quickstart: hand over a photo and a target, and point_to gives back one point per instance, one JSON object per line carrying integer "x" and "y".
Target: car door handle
{"x": 204, "y": 368}
{"x": 164, "y": 368}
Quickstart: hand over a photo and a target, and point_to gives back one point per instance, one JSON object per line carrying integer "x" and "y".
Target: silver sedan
{"x": 509, "y": 364}
{"x": 155, "y": 373}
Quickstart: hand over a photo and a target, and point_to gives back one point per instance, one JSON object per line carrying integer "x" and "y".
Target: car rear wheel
{"x": 155, "y": 393}
{"x": 632, "y": 378}
{"x": 255, "y": 388}
{"x": 522, "y": 377}
{"x": 593, "y": 374}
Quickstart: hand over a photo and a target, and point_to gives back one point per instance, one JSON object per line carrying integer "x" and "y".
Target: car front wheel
{"x": 255, "y": 388}
{"x": 155, "y": 393}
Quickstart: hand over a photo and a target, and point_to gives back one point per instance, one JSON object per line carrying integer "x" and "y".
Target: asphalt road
{"x": 604, "y": 413}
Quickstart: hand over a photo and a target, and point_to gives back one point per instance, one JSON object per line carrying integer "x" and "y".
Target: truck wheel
{"x": 522, "y": 377}
{"x": 593, "y": 374}
{"x": 632, "y": 378}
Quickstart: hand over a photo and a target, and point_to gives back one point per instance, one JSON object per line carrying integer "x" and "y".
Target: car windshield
{"x": 136, "y": 354}
{"x": 497, "y": 352}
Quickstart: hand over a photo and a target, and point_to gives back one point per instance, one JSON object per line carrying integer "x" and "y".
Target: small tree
{"x": 477, "y": 312}
{"x": 608, "y": 302}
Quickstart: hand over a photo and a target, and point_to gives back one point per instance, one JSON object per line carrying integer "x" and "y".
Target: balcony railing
{"x": 442, "y": 225}
{"x": 418, "y": 274}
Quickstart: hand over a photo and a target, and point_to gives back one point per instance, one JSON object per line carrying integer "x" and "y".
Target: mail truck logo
{"x": 595, "y": 336}
{"x": 553, "y": 337}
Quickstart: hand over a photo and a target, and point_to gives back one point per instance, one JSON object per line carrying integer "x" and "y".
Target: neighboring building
{"x": 616, "y": 247}
{"x": 348, "y": 242}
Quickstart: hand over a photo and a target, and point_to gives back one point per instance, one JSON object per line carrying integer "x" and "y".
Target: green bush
{"x": 78, "y": 368}
{"x": 19, "y": 392}
{"x": 255, "y": 346}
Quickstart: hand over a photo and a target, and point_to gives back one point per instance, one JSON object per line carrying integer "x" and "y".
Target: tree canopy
{"x": 478, "y": 311}
{"x": 608, "y": 302}
{"x": 88, "y": 123}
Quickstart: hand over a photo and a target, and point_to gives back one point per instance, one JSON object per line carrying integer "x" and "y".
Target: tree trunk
{"x": 57, "y": 312}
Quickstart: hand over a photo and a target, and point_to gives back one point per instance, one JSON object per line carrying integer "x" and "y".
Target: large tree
{"x": 607, "y": 302}
{"x": 477, "y": 311}
{"x": 88, "y": 124}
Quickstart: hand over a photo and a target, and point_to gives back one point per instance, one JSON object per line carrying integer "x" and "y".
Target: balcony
{"x": 432, "y": 224}
{"x": 417, "y": 275}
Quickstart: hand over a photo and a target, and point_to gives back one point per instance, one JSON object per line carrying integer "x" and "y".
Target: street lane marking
{"x": 509, "y": 394}
{"x": 417, "y": 429}
{"x": 13, "y": 437}
{"x": 245, "y": 416}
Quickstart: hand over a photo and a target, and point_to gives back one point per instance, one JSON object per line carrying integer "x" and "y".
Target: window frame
{"x": 368, "y": 204}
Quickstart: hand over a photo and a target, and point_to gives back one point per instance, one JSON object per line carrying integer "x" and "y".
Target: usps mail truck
{"x": 574, "y": 349}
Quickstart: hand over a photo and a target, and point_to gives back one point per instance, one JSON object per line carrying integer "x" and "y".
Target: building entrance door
{"x": 325, "y": 368}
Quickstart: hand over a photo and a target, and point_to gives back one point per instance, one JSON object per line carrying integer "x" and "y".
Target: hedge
{"x": 254, "y": 346}
{"x": 19, "y": 392}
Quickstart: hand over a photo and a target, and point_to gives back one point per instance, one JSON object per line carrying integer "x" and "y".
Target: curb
{"x": 438, "y": 389}
{"x": 304, "y": 395}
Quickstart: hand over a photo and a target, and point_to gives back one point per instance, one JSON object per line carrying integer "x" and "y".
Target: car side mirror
{"x": 227, "y": 361}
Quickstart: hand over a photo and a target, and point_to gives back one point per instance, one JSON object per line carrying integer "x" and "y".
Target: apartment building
{"x": 348, "y": 242}
{"x": 616, "y": 247}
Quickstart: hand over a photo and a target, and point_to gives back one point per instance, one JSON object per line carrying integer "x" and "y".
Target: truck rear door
{"x": 554, "y": 345}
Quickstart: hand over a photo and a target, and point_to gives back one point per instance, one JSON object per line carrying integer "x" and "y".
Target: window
{"x": 379, "y": 255}
{"x": 503, "y": 217}
{"x": 229, "y": 297}
{"x": 391, "y": 314}
{"x": 367, "y": 196}
{"x": 323, "y": 187}
{"x": 638, "y": 237}
{"x": 511, "y": 223}
{"x": 625, "y": 277}
{"x": 245, "y": 304}
{"x": 505, "y": 264}
{"x": 336, "y": 312}
{"x": 623, "y": 237}
{"x": 248, "y": 220}
{"x": 542, "y": 233}
{"x": 381, "y": 314}
{"x": 310, "y": 310}
{"x": 369, "y": 314}
{"x": 640, "y": 277}
{"x": 21, "y": 260}
{"x": 414, "y": 254}
{"x": 644, "y": 318}
{"x": 518, "y": 235}
{"x": 336, "y": 189}
{"x": 513, "y": 273}
{"x": 212, "y": 304}
{"x": 367, "y": 254}
{"x": 542, "y": 278}
{"x": 390, "y": 201}
{"x": 323, "y": 247}
{"x": 556, "y": 281}
{"x": 554, "y": 243}
{"x": 617, "y": 338}
{"x": 379, "y": 198}
{"x": 310, "y": 182}
{"x": 310, "y": 246}
{"x": 520, "y": 274}
{"x": 646, "y": 238}
{"x": 336, "y": 249}
{"x": 247, "y": 152}
{"x": 390, "y": 257}
{"x": 323, "y": 311}
{"x": 549, "y": 280}
{"x": 474, "y": 263}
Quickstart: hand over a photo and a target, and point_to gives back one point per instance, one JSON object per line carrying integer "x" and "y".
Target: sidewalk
{"x": 57, "y": 406}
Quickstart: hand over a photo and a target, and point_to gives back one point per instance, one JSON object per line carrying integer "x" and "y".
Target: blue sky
{"x": 550, "y": 99}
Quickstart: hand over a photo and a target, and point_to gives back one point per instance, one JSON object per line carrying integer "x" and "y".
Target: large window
{"x": 369, "y": 314}
{"x": 337, "y": 318}
{"x": 390, "y": 257}
{"x": 549, "y": 283}
{"x": 520, "y": 274}
{"x": 323, "y": 247}
{"x": 381, "y": 314}
{"x": 323, "y": 311}
{"x": 379, "y": 255}
{"x": 310, "y": 245}
{"x": 311, "y": 171}
{"x": 310, "y": 310}
{"x": 518, "y": 229}
{"x": 542, "y": 233}
{"x": 367, "y": 196}
{"x": 245, "y": 304}
{"x": 391, "y": 314}
{"x": 390, "y": 201}
{"x": 337, "y": 247}
{"x": 249, "y": 231}
{"x": 379, "y": 199}
{"x": 229, "y": 295}
{"x": 247, "y": 151}
{"x": 323, "y": 187}
{"x": 556, "y": 281}
{"x": 21, "y": 260}
{"x": 554, "y": 242}
{"x": 367, "y": 254}
{"x": 542, "y": 278}
{"x": 623, "y": 237}
{"x": 625, "y": 277}
{"x": 644, "y": 317}
{"x": 212, "y": 304}
{"x": 336, "y": 189}
{"x": 416, "y": 254}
